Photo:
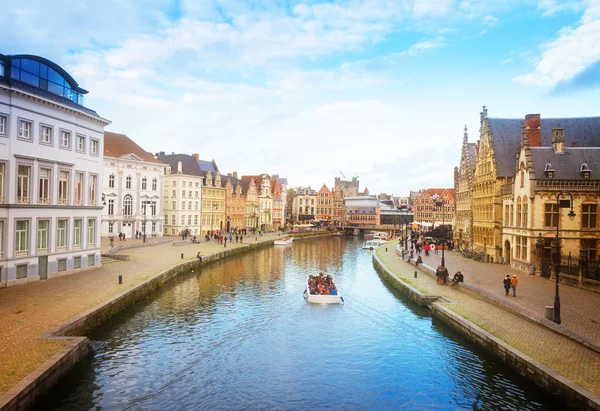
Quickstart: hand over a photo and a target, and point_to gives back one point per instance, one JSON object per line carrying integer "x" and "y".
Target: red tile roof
{"x": 117, "y": 145}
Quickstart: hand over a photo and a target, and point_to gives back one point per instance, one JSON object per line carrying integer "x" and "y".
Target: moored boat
{"x": 284, "y": 241}
{"x": 371, "y": 244}
{"x": 322, "y": 298}
{"x": 380, "y": 235}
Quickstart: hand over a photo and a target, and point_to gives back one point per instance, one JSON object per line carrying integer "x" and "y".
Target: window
{"x": 190, "y": 219}
{"x": 591, "y": 245}
{"x": 22, "y": 234}
{"x": 153, "y": 227}
{"x": 80, "y": 143}
{"x": 189, "y": 205}
{"x": 93, "y": 189}
{"x": 63, "y": 185}
{"x": 183, "y": 183}
{"x": 154, "y": 184}
{"x": 62, "y": 264}
{"x": 524, "y": 241}
{"x": 78, "y": 188}
{"x": 61, "y": 234}
{"x": 174, "y": 184}
{"x": 42, "y": 239}
{"x": 94, "y": 144}
{"x": 65, "y": 139}
{"x": 111, "y": 181}
{"x": 23, "y": 184}
{"x": 77, "y": 232}
{"x": 25, "y": 127}
{"x": 525, "y": 213}
{"x": 91, "y": 260}
{"x": 77, "y": 262}
{"x": 550, "y": 215}
{"x": 144, "y": 180}
{"x": 128, "y": 182}
{"x": 173, "y": 222}
{"x": 44, "y": 186}
{"x": 153, "y": 207}
{"x": 196, "y": 219}
{"x": 3, "y": 125}
{"x": 183, "y": 194}
{"x": 512, "y": 214}
{"x": 111, "y": 207}
{"x": 91, "y": 239}
{"x": 174, "y": 193}
{"x": 518, "y": 248}
{"x": 45, "y": 134}
{"x": 174, "y": 205}
{"x": 127, "y": 205}
{"x": 21, "y": 271}
{"x": 589, "y": 214}
{"x": 183, "y": 220}
{"x": 519, "y": 215}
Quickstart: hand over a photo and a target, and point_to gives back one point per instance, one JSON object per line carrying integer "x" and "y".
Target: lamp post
{"x": 144, "y": 203}
{"x": 440, "y": 203}
{"x": 559, "y": 205}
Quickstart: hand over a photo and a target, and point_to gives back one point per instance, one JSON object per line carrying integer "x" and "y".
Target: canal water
{"x": 238, "y": 335}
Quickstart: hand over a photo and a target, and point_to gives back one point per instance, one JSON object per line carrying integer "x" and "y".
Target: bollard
{"x": 415, "y": 274}
{"x": 120, "y": 279}
{"x": 181, "y": 255}
{"x": 386, "y": 249}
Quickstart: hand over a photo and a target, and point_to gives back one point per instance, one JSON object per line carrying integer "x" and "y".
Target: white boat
{"x": 320, "y": 298}
{"x": 380, "y": 236}
{"x": 284, "y": 241}
{"x": 371, "y": 244}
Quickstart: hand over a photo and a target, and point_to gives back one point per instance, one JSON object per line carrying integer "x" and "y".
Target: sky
{"x": 312, "y": 90}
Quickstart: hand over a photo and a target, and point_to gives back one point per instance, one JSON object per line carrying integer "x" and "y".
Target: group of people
{"x": 511, "y": 282}
{"x": 222, "y": 238}
{"x": 321, "y": 285}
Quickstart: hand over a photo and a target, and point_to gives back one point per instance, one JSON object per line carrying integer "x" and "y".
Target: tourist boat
{"x": 380, "y": 236}
{"x": 371, "y": 244}
{"x": 284, "y": 241}
{"x": 321, "y": 299}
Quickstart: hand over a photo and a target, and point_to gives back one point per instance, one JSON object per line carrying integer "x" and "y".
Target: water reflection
{"x": 238, "y": 335}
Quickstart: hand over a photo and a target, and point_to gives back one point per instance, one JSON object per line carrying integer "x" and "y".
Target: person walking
{"x": 514, "y": 282}
{"x": 225, "y": 242}
{"x": 506, "y": 283}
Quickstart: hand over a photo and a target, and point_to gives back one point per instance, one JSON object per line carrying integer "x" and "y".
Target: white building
{"x": 50, "y": 172}
{"x": 265, "y": 201}
{"x": 132, "y": 189}
{"x": 304, "y": 204}
{"x": 182, "y": 194}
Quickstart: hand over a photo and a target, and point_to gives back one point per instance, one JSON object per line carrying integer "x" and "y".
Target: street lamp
{"x": 440, "y": 203}
{"x": 144, "y": 220}
{"x": 559, "y": 205}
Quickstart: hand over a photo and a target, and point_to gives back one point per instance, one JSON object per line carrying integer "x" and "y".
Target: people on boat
{"x": 321, "y": 285}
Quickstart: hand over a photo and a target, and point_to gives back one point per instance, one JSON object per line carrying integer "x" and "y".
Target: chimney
{"x": 532, "y": 124}
{"x": 574, "y": 144}
{"x": 235, "y": 174}
{"x": 179, "y": 167}
{"x": 558, "y": 140}
{"x": 196, "y": 156}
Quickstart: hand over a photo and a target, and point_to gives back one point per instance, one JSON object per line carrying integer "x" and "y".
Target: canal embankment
{"x": 559, "y": 364}
{"x": 41, "y": 347}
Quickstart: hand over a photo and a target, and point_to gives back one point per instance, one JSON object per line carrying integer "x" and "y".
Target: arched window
{"x": 127, "y": 205}
{"x": 525, "y": 212}
{"x": 111, "y": 181}
{"x": 518, "y": 224}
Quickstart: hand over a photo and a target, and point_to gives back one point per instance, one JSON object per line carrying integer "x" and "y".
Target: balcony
{"x": 44, "y": 200}
{"x": 21, "y": 253}
{"x": 22, "y": 200}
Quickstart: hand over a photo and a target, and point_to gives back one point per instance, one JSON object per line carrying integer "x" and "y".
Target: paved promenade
{"x": 566, "y": 357}
{"x": 580, "y": 309}
{"x": 29, "y": 311}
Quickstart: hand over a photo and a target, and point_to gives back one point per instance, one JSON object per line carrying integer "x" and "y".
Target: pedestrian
{"x": 438, "y": 274}
{"x": 124, "y": 237}
{"x": 458, "y": 278}
{"x": 242, "y": 239}
{"x": 437, "y": 248}
{"x": 225, "y": 244}
{"x": 506, "y": 282}
{"x": 514, "y": 282}
{"x": 419, "y": 261}
{"x": 237, "y": 239}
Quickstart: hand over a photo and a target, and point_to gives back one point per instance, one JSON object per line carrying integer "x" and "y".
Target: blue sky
{"x": 309, "y": 89}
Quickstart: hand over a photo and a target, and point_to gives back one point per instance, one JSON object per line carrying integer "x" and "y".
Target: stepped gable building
{"x": 557, "y": 155}
{"x": 463, "y": 188}
{"x": 182, "y": 194}
{"x": 283, "y": 186}
{"x": 50, "y": 172}
{"x": 264, "y": 201}
{"x": 278, "y": 203}
{"x": 235, "y": 201}
{"x": 132, "y": 189}
{"x": 338, "y": 210}
{"x": 426, "y": 210}
{"x": 347, "y": 188}
{"x": 324, "y": 204}
{"x": 250, "y": 191}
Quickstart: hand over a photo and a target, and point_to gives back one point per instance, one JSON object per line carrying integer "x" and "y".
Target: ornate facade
{"x": 426, "y": 210}
{"x": 213, "y": 203}
{"x": 235, "y": 203}
{"x": 324, "y": 204}
{"x": 277, "y": 203}
{"x": 463, "y": 188}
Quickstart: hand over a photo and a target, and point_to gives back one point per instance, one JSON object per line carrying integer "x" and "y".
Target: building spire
{"x": 465, "y": 136}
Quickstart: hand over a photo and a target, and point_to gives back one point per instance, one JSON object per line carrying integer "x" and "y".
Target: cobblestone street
{"x": 579, "y": 308}
{"x": 559, "y": 353}
{"x": 29, "y": 311}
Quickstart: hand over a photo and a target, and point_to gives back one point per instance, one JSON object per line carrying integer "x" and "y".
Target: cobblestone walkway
{"x": 568, "y": 358}
{"x": 580, "y": 309}
{"x": 29, "y": 311}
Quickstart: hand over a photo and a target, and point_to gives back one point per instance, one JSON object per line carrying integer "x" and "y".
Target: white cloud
{"x": 423, "y": 46}
{"x": 552, "y": 7}
{"x": 573, "y": 50}
{"x": 489, "y": 20}
{"x": 506, "y": 61}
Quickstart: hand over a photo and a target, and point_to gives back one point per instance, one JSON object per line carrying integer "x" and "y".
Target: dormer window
{"x": 549, "y": 171}
{"x": 585, "y": 171}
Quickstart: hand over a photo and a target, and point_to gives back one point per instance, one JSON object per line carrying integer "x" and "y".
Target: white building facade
{"x": 50, "y": 172}
{"x": 132, "y": 189}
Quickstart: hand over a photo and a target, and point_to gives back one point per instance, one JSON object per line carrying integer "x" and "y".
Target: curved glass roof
{"x": 46, "y": 75}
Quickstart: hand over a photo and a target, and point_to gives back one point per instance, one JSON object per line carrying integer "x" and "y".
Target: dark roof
{"x": 19, "y": 85}
{"x": 472, "y": 153}
{"x": 283, "y": 181}
{"x": 117, "y": 145}
{"x": 506, "y": 137}
{"x": 234, "y": 181}
{"x": 189, "y": 164}
{"x": 207, "y": 165}
{"x": 506, "y": 134}
{"x": 566, "y": 166}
